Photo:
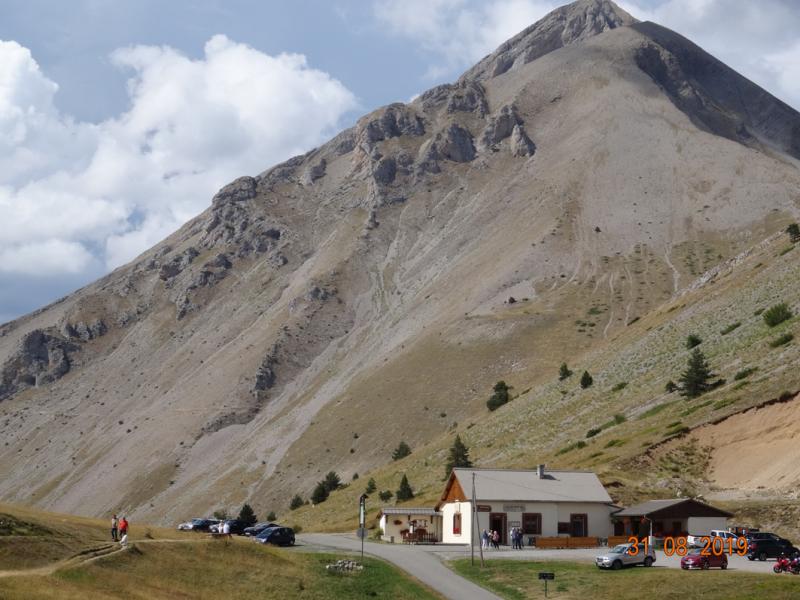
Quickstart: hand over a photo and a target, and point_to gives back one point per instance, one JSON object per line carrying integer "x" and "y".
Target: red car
{"x": 694, "y": 559}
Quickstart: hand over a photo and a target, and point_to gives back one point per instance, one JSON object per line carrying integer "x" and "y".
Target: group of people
{"x": 119, "y": 530}
{"x": 492, "y": 538}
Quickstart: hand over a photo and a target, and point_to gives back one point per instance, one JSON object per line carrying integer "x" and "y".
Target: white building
{"x": 425, "y": 524}
{"x": 675, "y": 517}
{"x": 543, "y": 503}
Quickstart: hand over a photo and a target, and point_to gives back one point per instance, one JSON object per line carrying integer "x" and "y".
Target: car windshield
{"x": 695, "y": 551}
{"x": 621, "y": 549}
{"x": 198, "y": 521}
{"x": 267, "y": 531}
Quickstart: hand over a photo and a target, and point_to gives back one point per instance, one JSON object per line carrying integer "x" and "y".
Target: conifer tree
{"x": 332, "y": 481}
{"x": 296, "y": 502}
{"x": 586, "y": 380}
{"x": 401, "y": 451}
{"x": 458, "y": 457}
{"x": 371, "y": 486}
{"x": 320, "y": 493}
{"x": 564, "y": 372}
{"x": 404, "y": 492}
{"x": 247, "y": 515}
{"x": 696, "y": 379}
{"x": 499, "y": 397}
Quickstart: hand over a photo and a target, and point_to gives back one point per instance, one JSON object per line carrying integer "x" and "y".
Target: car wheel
{"x": 648, "y": 562}
{"x": 704, "y": 566}
{"x": 723, "y": 566}
{"x": 762, "y": 556}
{"x": 616, "y": 565}
{"x": 750, "y": 557}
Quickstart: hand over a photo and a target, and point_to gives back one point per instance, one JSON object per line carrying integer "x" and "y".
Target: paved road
{"x": 418, "y": 561}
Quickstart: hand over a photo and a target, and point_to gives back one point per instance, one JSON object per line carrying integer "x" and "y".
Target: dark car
{"x": 695, "y": 559}
{"x": 770, "y": 548}
{"x": 198, "y": 525}
{"x": 235, "y": 526}
{"x": 277, "y": 536}
{"x": 258, "y": 528}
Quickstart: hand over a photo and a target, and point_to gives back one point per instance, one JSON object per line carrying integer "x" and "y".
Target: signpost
{"x": 362, "y": 521}
{"x": 543, "y": 576}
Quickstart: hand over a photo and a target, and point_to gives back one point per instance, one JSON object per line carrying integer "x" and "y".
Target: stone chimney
{"x": 540, "y": 471}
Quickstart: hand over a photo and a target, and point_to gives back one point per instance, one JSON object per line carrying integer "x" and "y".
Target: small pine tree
{"x": 693, "y": 341}
{"x": 695, "y": 380}
{"x": 385, "y": 495}
{"x": 404, "y": 492}
{"x": 670, "y": 387}
{"x": 272, "y": 517}
{"x": 371, "y": 486}
{"x": 296, "y": 502}
{"x": 320, "y": 493}
{"x": 794, "y": 232}
{"x": 564, "y": 372}
{"x": 401, "y": 451}
{"x": 586, "y": 380}
{"x": 332, "y": 481}
{"x": 458, "y": 457}
{"x": 499, "y": 397}
{"x": 247, "y": 515}
{"x": 355, "y": 476}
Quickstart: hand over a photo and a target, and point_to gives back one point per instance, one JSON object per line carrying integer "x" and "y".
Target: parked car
{"x": 623, "y": 555}
{"x": 770, "y": 548}
{"x": 278, "y": 536}
{"x": 198, "y": 525}
{"x": 721, "y": 533}
{"x": 235, "y": 526}
{"x": 695, "y": 559}
{"x": 258, "y": 528}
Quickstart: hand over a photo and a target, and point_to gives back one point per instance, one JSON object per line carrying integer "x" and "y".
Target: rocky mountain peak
{"x": 564, "y": 26}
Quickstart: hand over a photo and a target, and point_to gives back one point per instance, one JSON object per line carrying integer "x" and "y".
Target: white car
{"x": 623, "y": 555}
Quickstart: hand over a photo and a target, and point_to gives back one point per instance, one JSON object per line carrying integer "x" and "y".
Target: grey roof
{"x": 652, "y": 506}
{"x": 526, "y": 486}
{"x": 396, "y": 510}
{"x": 645, "y": 508}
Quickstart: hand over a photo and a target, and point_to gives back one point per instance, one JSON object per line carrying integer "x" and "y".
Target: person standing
{"x": 226, "y": 528}
{"x": 485, "y": 540}
{"x": 496, "y": 540}
{"x": 114, "y": 527}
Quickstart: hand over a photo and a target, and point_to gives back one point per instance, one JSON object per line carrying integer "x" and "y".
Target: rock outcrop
{"x": 41, "y": 357}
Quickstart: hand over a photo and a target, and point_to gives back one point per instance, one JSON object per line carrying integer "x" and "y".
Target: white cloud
{"x": 123, "y": 184}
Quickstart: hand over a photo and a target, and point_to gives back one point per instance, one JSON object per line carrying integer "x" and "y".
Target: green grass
{"x": 651, "y": 412}
{"x": 781, "y": 340}
{"x": 517, "y": 580}
{"x": 786, "y": 250}
{"x": 620, "y": 386}
{"x": 730, "y": 328}
{"x": 744, "y": 373}
{"x": 695, "y": 408}
{"x": 775, "y": 315}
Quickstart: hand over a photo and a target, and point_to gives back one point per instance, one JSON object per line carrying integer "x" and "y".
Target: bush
{"x": 620, "y": 386}
{"x": 593, "y": 432}
{"x": 619, "y": 419}
{"x": 564, "y": 372}
{"x": 401, "y": 451}
{"x": 296, "y": 502}
{"x": 670, "y": 387}
{"x": 586, "y": 380}
{"x": 499, "y": 397}
{"x": 271, "y": 516}
{"x": 782, "y": 340}
{"x": 404, "y": 492}
{"x": 794, "y": 232}
{"x": 385, "y": 495}
{"x": 332, "y": 481}
{"x": 731, "y": 327}
{"x": 693, "y": 341}
{"x": 222, "y": 515}
{"x": 247, "y": 515}
{"x": 744, "y": 373}
{"x": 371, "y": 486}
{"x": 775, "y": 315}
{"x": 576, "y": 446}
{"x": 612, "y": 443}
{"x": 320, "y": 493}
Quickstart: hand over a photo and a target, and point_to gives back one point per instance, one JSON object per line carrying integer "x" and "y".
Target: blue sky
{"x": 120, "y": 118}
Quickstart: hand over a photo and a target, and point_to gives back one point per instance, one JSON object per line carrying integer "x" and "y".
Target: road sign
{"x": 362, "y": 532}
{"x": 547, "y": 576}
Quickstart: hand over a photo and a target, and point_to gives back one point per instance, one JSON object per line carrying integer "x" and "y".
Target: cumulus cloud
{"x": 758, "y": 39}
{"x": 75, "y": 194}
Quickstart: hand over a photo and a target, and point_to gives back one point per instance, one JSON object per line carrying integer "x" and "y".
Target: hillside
{"x": 557, "y": 203}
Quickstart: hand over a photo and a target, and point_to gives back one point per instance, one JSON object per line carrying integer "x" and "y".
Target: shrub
{"x": 271, "y": 516}
{"x": 740, "y": 385}
{"x": 499, "y": 397}
{"x": 296, "y": 502}
{"x": 692, "y": 341}
{"x": 404, "y": 492}
{"x": 786, "y": 396}
{"x": 670, "y": 387}
{"x": 355, "y": 476}
{"x": 564, "y": 372}
{"x": 222, "y": 515}
{"x": 744, "y": 373}
{"x": 612, "y": 443}
{"x": 775, "y": 315}
{"x": 577, "y": 445}
{"x": 758, "y": 312}
{"x": 723, "y": 403}
{"x": 401, "y": 451}
{"x": 247, "y": 515}
{"x": 385, "y": 495}
{"x": 371, "y": 486}
{"x": 731, "y": 327}
{"x": 794, "y": 232}
{"x": 619, "y": 419}
{"x": 786, "y": 250}
{"x": 620, "y": 386}
{"x": 320, "y": 493}
{"x": 586, "y": 380}
{"x": 695, "y": 379}
{"x": 782, "y": 340}
{"x": 593, "y": 432}
{"x": 332, "y": 481}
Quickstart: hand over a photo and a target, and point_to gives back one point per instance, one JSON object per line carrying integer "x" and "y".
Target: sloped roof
{"x": 654, "y": 506}
{"x": 526, "y": 486}
{"x": 397, "y": 510}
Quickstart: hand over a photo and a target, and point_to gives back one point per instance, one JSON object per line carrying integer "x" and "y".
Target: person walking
{"x": 485, "y": 540}
{"x": 114, "y": 527}
{"x": 496, "y": 540}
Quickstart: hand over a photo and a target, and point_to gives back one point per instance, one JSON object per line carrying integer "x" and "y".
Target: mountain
{"x": 590, "y": 172}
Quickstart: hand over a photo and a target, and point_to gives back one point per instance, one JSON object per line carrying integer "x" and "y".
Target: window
{"x": 532, "y": 523}
{"x": 456, "y": 523}
{"x": 563, "y": 527}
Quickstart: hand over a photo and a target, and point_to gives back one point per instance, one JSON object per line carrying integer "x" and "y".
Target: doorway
{"x": 578, "y": 525}
{"x": 497, "y": 522}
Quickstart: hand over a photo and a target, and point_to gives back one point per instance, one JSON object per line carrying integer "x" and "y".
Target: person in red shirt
{"x": 123, "y": 526}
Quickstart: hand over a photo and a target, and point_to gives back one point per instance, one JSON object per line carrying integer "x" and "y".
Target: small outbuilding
{"x": 676, "y": 517}
{"x": 411, "y": 524}
{"x": 540, "y": 502}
